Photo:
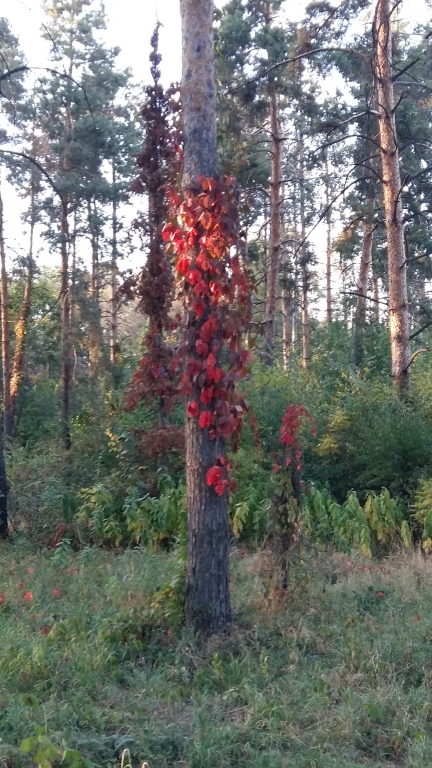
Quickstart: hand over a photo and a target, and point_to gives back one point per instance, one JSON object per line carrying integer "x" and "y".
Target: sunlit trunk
{"x": 392, "y": 189}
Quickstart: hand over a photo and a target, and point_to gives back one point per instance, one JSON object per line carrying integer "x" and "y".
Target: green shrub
{"x": 381, "y": 520}
{"x": 118, "y": 516}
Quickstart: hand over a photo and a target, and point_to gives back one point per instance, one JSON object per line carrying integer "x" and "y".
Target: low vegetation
{"x": 333, "y": 672}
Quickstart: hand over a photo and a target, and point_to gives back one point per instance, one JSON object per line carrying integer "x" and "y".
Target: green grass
{"x": 335, "y": 674}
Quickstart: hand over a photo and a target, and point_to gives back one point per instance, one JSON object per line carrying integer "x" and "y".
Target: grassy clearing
{"x": 335, "y": 674}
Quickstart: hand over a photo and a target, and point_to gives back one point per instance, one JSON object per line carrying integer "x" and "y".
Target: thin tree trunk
{"x": 295, "y": 313}
{"x": 329, "y": 248}
{"x": 304, "y": 264}
{"x": 207, "y": 589}
{"x": 275, "y": 227}
{"x": 5, "y": 340}
{"x": 66, "y": 364}
{"x": 397, "y": 274}
{"x": 95, "y": 339}
{"x": 362, "y": 288}
{"x": 114, "y": 307}
{"x": 375, "y": 294}
{"x": 21, "y": 326}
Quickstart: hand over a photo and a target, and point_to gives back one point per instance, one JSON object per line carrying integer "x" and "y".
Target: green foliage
{"x": 381, "y": 520}
{"x": 119, "y": 515}
{"x": 333, "y": 674}
{"x": 46, "y": 753}
{"x": 250, "y": 504}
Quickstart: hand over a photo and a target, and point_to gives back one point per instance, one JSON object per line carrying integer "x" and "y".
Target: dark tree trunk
{"x": 66, "y": 350}
{"x": 329, "y": 309}
{"x": 275, "y": 227}
{"x": 5, "y": 336}
{"x": 207, "y": 588}
{"x": 113, "y": 297}
{"x": 304, "y": 263}
{"x": 95, "y": 331}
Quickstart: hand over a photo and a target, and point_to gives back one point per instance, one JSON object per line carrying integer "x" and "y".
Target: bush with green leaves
{"x": 380, "y": 521}
{"x": 119, "y": 515}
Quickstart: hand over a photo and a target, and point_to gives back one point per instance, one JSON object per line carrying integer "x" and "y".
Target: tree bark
{"x": 207, "y": 589}
{"x": 329, "y": 310}
{"x": 66, "y": 351}
{"x": 5, "y": 335}
{"x": 95, "y": 333}
{"x": 362, "y": 288}
{"x": 21, "y": 326}
{"x": 304, "y": 264}
{"x": 113, "y": 297}
{"x": 392, "y": 188}
{"x": 275, "y": 227}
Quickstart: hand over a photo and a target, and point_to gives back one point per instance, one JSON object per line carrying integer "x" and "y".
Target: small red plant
{"x": 28, "y": 597}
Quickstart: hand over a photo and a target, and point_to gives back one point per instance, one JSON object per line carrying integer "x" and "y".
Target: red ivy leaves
{"x": 291, "y": 422}
{"x": 192, "y": 409}
{"x": 215, "y": 292}
{"x": 214, "y": 287}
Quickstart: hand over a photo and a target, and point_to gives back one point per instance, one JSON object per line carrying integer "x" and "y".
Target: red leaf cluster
{"x": 215, "y": 291}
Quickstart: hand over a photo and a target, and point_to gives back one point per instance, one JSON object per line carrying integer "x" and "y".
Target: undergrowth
{"x": 334, "y": 673}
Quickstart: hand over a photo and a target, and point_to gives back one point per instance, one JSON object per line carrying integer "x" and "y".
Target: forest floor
{"x": 335, "y": 673}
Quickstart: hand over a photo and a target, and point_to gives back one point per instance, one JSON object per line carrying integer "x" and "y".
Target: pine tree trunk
{"x": 5, "y": 337}
{"x": 66, "y": 352}
{"x": 113, "y": 297}
{"x": 304, "y": 265}
{"x": 362, "y": 287}
{"x": 329, "y": 311}
{"x": 95, "y": 340}
{"x": 207, "y": 589}
{"x": 397, "y": 274}
{"x": 275, "y": 227}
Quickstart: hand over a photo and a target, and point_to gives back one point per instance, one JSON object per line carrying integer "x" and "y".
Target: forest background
{"x": 216, "y": 384}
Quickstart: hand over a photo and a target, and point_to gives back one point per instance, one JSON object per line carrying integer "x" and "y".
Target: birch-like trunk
{"x": 207, "y": 589}
{"x": 392, "y": 189}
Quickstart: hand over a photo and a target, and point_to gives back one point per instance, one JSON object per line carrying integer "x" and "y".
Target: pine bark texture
{"x": 114, "y": 269}
{"x": 95, "y": 330}
{"x": 304, "y": 265}
{"x": 5, "y": 337}
{"x": 66, "y": 347}
{"x": 275, "y": 225}
{"x": 392, "y": 188}
{"x": 207, "y": 589}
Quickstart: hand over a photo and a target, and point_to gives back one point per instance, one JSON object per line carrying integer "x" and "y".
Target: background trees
{"x": 325, "y": 279}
